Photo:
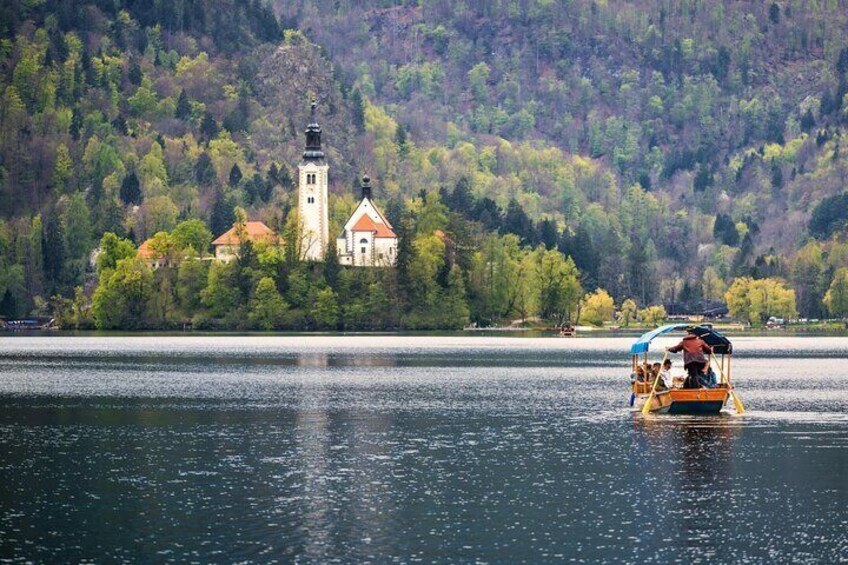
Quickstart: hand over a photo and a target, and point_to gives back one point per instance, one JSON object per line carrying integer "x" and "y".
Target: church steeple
{"x": 313, "y": 138}
{"x": 366, "y": 187}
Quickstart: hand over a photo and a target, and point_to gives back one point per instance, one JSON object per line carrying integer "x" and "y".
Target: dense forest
{"x": 561, "y": 160}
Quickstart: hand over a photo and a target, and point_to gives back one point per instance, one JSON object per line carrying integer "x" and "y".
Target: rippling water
{"x": 383, "y": 448}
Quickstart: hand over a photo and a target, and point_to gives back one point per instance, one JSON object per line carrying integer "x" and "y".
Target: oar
{"x": 647, "y": 407}
{"x": 737, "y": 402}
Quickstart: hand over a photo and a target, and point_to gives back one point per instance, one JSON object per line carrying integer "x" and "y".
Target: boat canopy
{"x": 714, "y": 339}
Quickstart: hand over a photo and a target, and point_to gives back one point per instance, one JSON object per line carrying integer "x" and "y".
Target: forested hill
{"x": 667, "y": 147}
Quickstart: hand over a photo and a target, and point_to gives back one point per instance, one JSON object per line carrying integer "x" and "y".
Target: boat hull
{"x": 701, "y": 401}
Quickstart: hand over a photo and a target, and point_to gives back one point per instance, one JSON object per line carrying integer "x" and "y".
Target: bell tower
{"x": 312, "y": 194}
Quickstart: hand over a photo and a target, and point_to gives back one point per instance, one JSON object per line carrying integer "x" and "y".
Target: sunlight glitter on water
{"x": 411, "y": 448}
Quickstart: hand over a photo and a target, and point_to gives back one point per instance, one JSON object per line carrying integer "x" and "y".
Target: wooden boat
{"x": 647, "y": 397}
{"x": 567, "y": 330}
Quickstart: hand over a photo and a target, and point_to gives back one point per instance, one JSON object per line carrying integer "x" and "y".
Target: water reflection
{"x": 334, "y": 450}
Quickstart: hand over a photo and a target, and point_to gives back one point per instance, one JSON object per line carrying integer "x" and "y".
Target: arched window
{"x": 363, "y": 240}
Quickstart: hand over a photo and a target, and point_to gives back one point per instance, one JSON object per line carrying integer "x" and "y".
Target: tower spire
{"x": 366, "y": 187}
{"x": 313, "y": 150}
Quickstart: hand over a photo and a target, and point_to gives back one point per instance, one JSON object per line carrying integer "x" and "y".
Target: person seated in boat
{"x": 694, "y": 360}
{"x": 665, "y": 374}
{"x": 708, "y": 379}
{"x": 656, "y": 371}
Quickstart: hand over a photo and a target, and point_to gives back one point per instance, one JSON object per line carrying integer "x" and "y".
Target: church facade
{"x": 368, "y": 239}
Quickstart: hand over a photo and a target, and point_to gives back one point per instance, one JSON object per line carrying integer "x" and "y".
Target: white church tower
{"x": 312, "y": 194}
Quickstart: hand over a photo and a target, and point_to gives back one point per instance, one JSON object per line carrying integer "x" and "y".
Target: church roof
{"x": 365, "y": 223}
{"x": 254, "y": 231}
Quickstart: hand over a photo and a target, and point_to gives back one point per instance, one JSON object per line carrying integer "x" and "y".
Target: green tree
{"x": 183, "y": 111}
{"x": 756, "y": 300}
{"x": 130, "y": 189}
{"x": 358, "y": 110}
{"x": 836, "y": 297}
{"x": 652, "y": 316}
{"x": 331, "y": 267}
{"x": 627, "y": 313}
{"x": 78, "y": 230}
{"x": 121, "y": 300}
{"x": 478, "y": 78}
{"x": 192, "y": 234}
{"x": 112, "y": 250}
{"x": 221, "y": 295}
{"x": 63, "y": 170}
{"x": 596, "y": 308}
{"x": 192, "y": 277}
{"x": 267, "y": 307}
{"x": 327, "y": 308}
{"x": 454, "y": 306}
{"x": 558, "y": 290}
{"x": 235, "y": 175}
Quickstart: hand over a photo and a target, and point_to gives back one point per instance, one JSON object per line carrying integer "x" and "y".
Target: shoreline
{"x": 518, "y": 333}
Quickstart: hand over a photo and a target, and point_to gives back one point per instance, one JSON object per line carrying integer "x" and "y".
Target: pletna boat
{"x": 648, "y": 396}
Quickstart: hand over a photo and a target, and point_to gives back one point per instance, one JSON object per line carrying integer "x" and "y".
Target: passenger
{"x": 694, "y": 360}
{"x": 665, "y": 374}
{"x": 708, "y": 379}
{"x": 656, "y": 369}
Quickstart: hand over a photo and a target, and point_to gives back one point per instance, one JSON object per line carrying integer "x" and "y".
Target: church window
{"x": 363, "y": 251}
{"x": 310, "y": 200}
{"x": 363, "y": 240}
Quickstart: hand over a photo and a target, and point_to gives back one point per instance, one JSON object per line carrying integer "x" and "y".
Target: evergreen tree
{"x": 405, "y": 257}
{"x": 461, "y": 199}
{"x": 548, "y": 235}
{"x": 208, "y": 127}
{"x": 135, "y": 74}
{"x": 204, "y": 170}
{"x": 358, "y": 110}
{"x": 222, "y": 214}
{"x": 131, "y": 189}
{"x": 235, "y": 175}
{"x": 400, "y": 141}
{"x": 53, "y": 247}
{"x": 183, "y": 111}
{"x": 331, "y": 266}
{"x": 516, "y": 221}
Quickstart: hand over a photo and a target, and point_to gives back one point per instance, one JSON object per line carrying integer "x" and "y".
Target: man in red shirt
{"x": 694, "y": 360}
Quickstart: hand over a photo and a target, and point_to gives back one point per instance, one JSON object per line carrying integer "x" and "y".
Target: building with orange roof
{"x": 228, "y": 244}
{"x": 368, "y": 239}
{"x": 153, "y": 259}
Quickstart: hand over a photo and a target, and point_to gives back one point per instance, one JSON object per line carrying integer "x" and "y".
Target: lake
{"x": 407, "y": 449}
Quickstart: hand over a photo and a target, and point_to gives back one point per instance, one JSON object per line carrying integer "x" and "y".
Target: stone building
{"x": 227, "y": 246}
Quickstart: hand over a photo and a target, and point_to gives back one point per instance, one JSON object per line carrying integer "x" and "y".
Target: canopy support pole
{"x": 737, "y": 402}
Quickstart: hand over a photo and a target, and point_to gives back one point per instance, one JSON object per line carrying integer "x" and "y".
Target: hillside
{"x": 667, "y": 148}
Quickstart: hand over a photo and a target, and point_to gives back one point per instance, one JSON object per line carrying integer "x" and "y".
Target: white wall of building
{"x": 313, "y": 206}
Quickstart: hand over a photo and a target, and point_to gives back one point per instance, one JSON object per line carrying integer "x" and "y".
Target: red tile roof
{"x": 254, "y": 231}
{"x": 144, "y": 251}
{"x": 365, "y": 223}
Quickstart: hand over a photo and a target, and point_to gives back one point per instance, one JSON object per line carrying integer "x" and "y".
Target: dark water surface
{"x": 404, "y": 449}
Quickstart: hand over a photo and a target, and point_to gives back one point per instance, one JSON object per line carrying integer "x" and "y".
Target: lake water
{"x": 405, "y": 449}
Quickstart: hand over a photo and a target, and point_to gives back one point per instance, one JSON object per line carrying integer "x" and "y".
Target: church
{"x": 367, "y": 239}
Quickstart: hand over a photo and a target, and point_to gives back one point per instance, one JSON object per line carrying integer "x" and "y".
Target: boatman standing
{"x": 694, "y": 360}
